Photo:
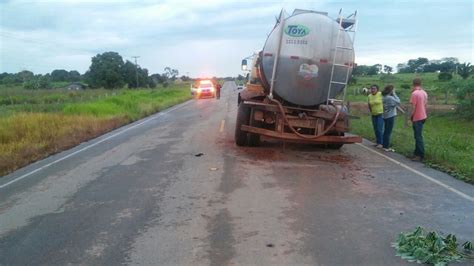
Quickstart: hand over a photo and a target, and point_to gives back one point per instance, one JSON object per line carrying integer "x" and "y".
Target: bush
{"x": 352, "y": 81}
{"x": 465, "y": 95}
{"x": 36, "y": 83}
{"x": 388, "y": 78}
{"x": 445, "y": 76}
{"x": 405, "y": 86}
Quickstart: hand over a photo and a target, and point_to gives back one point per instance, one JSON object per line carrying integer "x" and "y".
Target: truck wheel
{"x": 243, "y": 118}
{"x": 254, "y": 139}
{"x": 336, "y": 146}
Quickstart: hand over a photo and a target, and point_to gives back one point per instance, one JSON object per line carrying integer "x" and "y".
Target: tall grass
{"x": 449, "y": 142}
{"x": 26, "y": 137}
{"x": 34, "y": 128}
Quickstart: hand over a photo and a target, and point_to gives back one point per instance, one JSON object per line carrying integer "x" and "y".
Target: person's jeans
{"x": 377, "y": 122}
{"x": 387, "y": 132}
{"x": 418, "y": 133}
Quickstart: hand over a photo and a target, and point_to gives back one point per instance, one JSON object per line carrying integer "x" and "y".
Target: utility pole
{"x": 136, "y": 68}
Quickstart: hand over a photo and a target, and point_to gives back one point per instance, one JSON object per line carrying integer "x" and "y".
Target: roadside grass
{"x": 132, "y": 104}
{"x": 449, "y": 142}
{"x": 34, "y": 129}
{"x": 27, "y": 137}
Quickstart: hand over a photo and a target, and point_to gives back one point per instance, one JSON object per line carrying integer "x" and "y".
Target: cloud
{"x": 211, "y": 35}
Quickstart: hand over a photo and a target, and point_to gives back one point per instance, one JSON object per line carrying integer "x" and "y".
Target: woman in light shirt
{"x": 390, "y": 102}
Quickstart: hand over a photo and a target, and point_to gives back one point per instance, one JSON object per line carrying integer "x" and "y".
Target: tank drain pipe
{"x": 281, "y": 26}
{"x": 282, "y": 111}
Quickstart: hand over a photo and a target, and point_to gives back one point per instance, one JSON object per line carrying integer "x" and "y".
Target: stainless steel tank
{"x": 306, "y": 57}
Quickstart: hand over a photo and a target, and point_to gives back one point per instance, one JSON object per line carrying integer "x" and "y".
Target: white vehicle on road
{"x": 205, "y": 88}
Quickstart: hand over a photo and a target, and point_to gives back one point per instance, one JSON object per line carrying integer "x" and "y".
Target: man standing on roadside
{"x": 418, "y": 101}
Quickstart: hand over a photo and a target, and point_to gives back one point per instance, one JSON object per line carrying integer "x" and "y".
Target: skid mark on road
{"x": 221, "y": 238}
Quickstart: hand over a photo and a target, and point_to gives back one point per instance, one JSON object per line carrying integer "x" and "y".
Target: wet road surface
{"x": 173, "y": 189}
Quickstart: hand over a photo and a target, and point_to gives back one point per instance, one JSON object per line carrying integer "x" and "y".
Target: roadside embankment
{"x": 32, "y": 129}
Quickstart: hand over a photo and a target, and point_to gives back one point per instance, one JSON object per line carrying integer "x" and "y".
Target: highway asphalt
{"x": 174, "y": 189}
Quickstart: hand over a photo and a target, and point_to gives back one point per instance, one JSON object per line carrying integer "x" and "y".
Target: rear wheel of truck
{"x": 336, "y": 146}
{"x": 254, "y": 139}
{"x": 243, "y": 118}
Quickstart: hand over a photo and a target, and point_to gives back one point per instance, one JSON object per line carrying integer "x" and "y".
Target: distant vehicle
{"x": 205, "y": 88}
{"x": 240, "y": 86}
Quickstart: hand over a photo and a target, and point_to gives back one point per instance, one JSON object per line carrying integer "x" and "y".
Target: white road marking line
{"x": 222, "y": 126}
{"x": 427, "y": 177}
{"x": 92, "y": 145}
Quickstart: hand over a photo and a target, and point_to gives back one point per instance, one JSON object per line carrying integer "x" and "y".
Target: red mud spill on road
{"x": 342, "y": 166}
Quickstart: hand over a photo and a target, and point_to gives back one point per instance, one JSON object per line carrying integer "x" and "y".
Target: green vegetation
{"x": 431, "y": 248}
{"x": 35, "y": 124}
{"x": 437, "y": 89}
{"x": 449, "y": 142}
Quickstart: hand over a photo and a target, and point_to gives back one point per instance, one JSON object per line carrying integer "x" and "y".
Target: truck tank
{"x": 304, "y": 67}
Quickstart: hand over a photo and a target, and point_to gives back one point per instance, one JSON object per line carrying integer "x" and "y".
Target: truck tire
{"x": 243, "y": 118}
{"x": 336, "y": 146}
{"x": 254, "y": 139}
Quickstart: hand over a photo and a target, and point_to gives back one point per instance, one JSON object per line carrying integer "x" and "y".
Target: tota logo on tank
{"x": 296, "y": 30}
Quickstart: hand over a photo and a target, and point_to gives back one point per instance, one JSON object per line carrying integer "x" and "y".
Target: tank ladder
{"x": 349, "y": 25}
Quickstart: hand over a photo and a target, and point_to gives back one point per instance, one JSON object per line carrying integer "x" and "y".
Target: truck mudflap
{"x": 326, "y": 139}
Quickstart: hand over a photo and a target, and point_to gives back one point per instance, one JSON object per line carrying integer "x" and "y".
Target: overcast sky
{"x": 209, "y": 38}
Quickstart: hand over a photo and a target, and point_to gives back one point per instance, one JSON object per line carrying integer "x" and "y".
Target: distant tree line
{"x": 107, "y": 70}
{"x": 420, "y": 65}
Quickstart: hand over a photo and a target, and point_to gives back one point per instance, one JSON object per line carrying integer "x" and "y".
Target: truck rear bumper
{"x": 295, "y": 138}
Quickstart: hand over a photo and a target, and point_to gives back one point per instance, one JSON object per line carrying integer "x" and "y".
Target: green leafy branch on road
{"x": 431, "y": 248}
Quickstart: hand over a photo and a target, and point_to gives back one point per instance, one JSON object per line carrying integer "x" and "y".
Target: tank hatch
{"x": 299, "y": 11}
{"x": 346, "y": 22}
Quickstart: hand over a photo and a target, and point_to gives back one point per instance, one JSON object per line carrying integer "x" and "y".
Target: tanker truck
{"x": 296, "y": 84}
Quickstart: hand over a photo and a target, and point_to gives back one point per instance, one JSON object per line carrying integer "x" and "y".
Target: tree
{"x": 151, "y": 83}
{"x": 25, "y": 75}
{"x": 59, "y": 75}
{"x": 361, "y": 70}
{"x": 130, "y": 72}
{"x": 106, "y": 71}
{"x": 157, "y": 78}
{"x": 374, "y": 70}
{"x": 465, "y": 95}
{"x": 465, "y": 70}
{"x": 171, "y": 73}
{"x": 444, "y": 76}
{"x": 403, "y": 68}
{"x": 38, "y": 82}
{"x": 74, "y": 75}
{"x": 240, "y": 77}
{"x": 387, "y": 69}
{"x": 9, "y": 78}
{"x": 416, "y": 65}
